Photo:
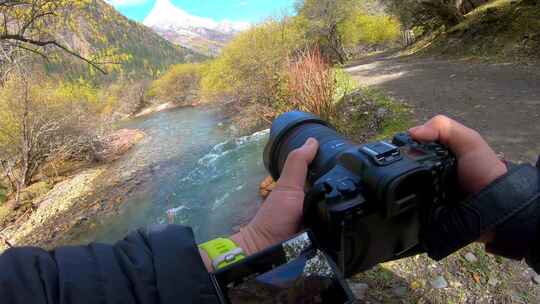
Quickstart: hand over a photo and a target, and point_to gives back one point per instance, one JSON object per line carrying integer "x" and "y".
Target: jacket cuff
{"x": 515, "y": 237}
{"x": 499, "y": 206}
{"x": 180, "y": 271}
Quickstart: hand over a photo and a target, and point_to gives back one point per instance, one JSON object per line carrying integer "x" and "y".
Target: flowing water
{"x": 201, "y": 176}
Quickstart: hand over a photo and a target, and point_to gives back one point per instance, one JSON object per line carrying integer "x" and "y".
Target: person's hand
{"x": 478, "y": 165}
{"x": 280, "y": 216}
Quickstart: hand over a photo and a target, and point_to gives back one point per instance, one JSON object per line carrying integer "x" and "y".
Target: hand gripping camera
{"x": 366, "y": 202}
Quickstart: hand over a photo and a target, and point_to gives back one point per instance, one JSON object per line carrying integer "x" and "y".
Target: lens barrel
{"x": 291, "y": 130}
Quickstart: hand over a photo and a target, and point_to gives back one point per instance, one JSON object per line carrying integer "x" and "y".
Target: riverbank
{"x": 66, "y": 201}
{"x": 164, "y": 175}
{"x": 160, "y": 108}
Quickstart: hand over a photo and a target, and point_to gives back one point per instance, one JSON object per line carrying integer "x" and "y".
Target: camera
{"x": 365, "y": 203}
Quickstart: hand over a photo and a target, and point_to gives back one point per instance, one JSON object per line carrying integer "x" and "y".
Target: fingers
{"x": 449, "y": 132}
{"x": 295, "y": 170}
{"x": 478, "y": 164}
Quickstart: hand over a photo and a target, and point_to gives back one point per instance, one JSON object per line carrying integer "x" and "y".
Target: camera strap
{"x": 504, "y": 207}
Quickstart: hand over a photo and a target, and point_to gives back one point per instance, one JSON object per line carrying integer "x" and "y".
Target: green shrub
{"x": 344, "y": 83}
{"x": 3, "y": 193}
{"x": 61, "y": 117}
{"x": 362, "y": 28}
{"x": 180, "y": 84}
{"x": 251, "y": 67}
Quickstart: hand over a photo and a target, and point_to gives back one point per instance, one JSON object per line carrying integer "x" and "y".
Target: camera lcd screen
{"x": 301, "y": 273}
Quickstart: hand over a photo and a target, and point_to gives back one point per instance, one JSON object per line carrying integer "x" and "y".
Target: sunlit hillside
{"x": 138, "y": 51}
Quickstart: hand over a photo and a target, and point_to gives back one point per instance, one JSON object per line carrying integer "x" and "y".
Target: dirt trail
{"x": 502, "y": 101}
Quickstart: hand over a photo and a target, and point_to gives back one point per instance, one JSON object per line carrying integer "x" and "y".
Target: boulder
{"x": 119, "y": 142}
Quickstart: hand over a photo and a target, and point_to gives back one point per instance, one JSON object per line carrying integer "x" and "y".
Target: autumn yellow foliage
{"x": 255, "y": 66}
{"x": 40, "y": 118}
{"x": 180, "y": 84}
{"x": 251, "y": 67}
{"x": 362, "y": 28}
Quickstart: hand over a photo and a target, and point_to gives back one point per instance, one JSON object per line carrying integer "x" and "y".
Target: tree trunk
{"x": 25, "y": 173}
{"x": 340, "y": 57}
{"x": 447, "y": 10}
{"x": 26, "y": 140}
{"x": 452, "y": 12}
{"x": 17, "y": 197}
{"x": 336, "y": 44}
{"x": 469, "y": 5}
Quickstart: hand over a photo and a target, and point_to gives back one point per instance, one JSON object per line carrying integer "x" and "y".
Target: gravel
{"x": 400, "y": 291}
{"x": 359, "y": 289}
{"x": 439, "y": 282}
{"x": 470, "y": 257}
{"x": 493, "y": 281}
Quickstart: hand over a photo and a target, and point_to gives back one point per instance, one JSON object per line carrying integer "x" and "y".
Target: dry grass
{"x": 312, "y": 84}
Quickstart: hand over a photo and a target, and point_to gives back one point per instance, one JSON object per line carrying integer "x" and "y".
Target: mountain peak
{"x": 166, "y": 16}
{"x": 200, "y": 34}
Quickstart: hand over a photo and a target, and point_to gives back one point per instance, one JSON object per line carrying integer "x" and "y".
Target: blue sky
{"x": 235, "y": 10}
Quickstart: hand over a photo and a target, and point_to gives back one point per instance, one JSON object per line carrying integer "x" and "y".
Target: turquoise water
{"x": 200, "y": 176}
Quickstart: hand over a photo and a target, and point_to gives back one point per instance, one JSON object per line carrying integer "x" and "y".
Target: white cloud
{"x": 244, "y": 3}
{"x": 125, "y": 2}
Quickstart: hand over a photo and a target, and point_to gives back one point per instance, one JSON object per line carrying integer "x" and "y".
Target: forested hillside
{"x": 138, "y": 51}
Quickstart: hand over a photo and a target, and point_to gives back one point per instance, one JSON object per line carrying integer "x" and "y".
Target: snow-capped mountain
{"x": 197, "y": 33}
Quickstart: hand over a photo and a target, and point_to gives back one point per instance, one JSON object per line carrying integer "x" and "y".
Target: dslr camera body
{"x": 366, "y": 203}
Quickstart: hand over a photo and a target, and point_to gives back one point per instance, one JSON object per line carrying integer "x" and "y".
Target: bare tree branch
{"x": 53, "y": 43}
{"x": 28, "y": 32}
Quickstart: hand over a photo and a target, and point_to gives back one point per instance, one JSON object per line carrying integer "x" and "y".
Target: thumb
{"x": 422, "y": 133}
{"x": 294, "y": 171}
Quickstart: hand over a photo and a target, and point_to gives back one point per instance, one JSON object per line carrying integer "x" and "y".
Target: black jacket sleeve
{"x": 510, "y": 206}
{"x": 156, "y": 265}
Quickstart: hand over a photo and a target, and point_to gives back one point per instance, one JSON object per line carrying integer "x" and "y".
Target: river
{"x": 201, "y": 176}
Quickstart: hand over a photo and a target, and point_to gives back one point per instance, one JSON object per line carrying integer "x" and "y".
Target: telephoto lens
{"x": 291, "y": 130}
